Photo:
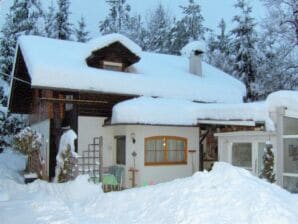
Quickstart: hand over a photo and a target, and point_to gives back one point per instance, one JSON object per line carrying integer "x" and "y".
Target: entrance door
{"x": 248, "y": 155}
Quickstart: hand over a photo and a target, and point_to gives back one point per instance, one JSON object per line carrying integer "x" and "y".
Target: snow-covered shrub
{"x": 67, "y": 162}
{"x": 27, "y": 141}
{"x": 268, "y": 164}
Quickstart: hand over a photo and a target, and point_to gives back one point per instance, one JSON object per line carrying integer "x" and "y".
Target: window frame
{"x": 286, "y": 136}
{"x": 117, "y": 138}
{"x": 165, "y": 147}
{"x": 110, "y": 64}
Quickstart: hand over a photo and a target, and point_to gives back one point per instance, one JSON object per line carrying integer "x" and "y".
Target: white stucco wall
{"x": 90, "y": 127}
{"x": 160, "y": 173}
{"x": 43, "y": 128}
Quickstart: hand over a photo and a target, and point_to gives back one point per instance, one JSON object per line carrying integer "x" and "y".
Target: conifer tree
{"x": 188, "y": 28}
{"x": 50, "y": 21}
{"x": 23, "y": 19}
{"x": 135, "y": 30}
{"x": 80, "y": 32}
{"x": 219, "y": 49}
{"x": 63, "y": 28}
{"x": 117, "y": 18}
{"x": 158, "y": 31}
{"x": 268, "y": 163}
{"x": 244, "y": 45}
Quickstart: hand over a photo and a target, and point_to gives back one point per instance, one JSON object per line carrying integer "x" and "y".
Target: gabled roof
{"x": 61, "y": 64}
{"x": 104, "y": 41}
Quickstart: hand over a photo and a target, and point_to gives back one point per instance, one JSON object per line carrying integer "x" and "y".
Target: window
{"x": 68, "y": 106}
{"x": 120, "y": 150}
{"x": 242, "y": 155}
{"x": 290, "y": 154}
{"x": 113, "y": 66}
{"x": 162, "y": 150}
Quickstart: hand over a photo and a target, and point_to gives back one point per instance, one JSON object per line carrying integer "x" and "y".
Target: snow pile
{"x": 224, "y": 195}
{"x": 11, "y": 163}
{"x": 191, "y": 47}
{"x": 154, "y": 75}
{"x": 106, "y": 40}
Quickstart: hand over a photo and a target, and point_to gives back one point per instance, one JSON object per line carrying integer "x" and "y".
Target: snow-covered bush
{"x": 27, "y": 141}
{"x": 268, "y": 164}
{"x": 67, "y": 162}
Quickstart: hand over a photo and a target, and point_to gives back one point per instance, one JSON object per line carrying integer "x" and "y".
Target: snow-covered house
{"x": 157, "y": 114}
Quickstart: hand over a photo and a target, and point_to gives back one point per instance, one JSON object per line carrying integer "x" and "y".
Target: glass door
{"x": 290, "y": 154}
{"x": 248, "y": 156}
{"x": 242, "y": 155}
{"x": 259, "y": 158}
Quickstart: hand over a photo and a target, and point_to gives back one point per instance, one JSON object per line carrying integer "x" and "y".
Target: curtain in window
{"x": 176, "y": 149}
{"x": 154, "y": 151}
{"x": 165, "y": 150}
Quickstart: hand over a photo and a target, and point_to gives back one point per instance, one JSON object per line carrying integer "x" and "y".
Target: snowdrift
{"x": 225, "y": 195}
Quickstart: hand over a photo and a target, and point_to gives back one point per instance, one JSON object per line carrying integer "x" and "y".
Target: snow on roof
{"x": 191, "y": 47}
{"x": 154, "y": 111}
{"x": 147, "y": 110}
{"x": 283, "y": 98}
{"x": 61, "y": 64}
{"x": 106, "y": 40}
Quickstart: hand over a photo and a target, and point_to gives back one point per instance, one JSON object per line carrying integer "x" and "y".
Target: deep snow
{"x": 224, "y": 195}
{"x": 147, "y": 110}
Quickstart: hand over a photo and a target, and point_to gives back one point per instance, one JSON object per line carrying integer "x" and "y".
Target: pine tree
{"x": 116, "y": 20}
{"x": 219, "y": 53}
{"x": 189, "y": 28}
{"x": 50, "y": 21}
{"x": 244, "y": 45}
{"x": 81, "y": 34}
{"x": 135, "y": 30}
{"x": 158, "y": 31}
{"x": 63, "y": 28}
{"x": 268, "y": 163}
{"x": 23, "y": 18}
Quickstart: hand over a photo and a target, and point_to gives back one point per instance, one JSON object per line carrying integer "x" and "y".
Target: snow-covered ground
{"x": 225, "y": 195}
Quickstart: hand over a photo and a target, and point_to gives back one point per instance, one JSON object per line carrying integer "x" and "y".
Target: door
{"x": 248, "y": 155}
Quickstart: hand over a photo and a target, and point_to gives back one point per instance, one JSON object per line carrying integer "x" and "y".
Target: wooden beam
{"x": 74, "y": 101}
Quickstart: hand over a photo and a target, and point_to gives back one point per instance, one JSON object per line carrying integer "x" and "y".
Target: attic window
{"x": 113, "y": 66}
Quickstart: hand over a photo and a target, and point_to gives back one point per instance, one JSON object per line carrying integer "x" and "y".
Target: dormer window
{"x": 113, "y": 66}
{"x": 113, "y": 52}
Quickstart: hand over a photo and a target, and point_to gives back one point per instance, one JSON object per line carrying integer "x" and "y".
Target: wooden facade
{"x": 63, "y": 106}
{"x": 115, "y": 52}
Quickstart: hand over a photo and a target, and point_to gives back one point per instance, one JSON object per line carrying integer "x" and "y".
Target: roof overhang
{"x": 248, "y": 123}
